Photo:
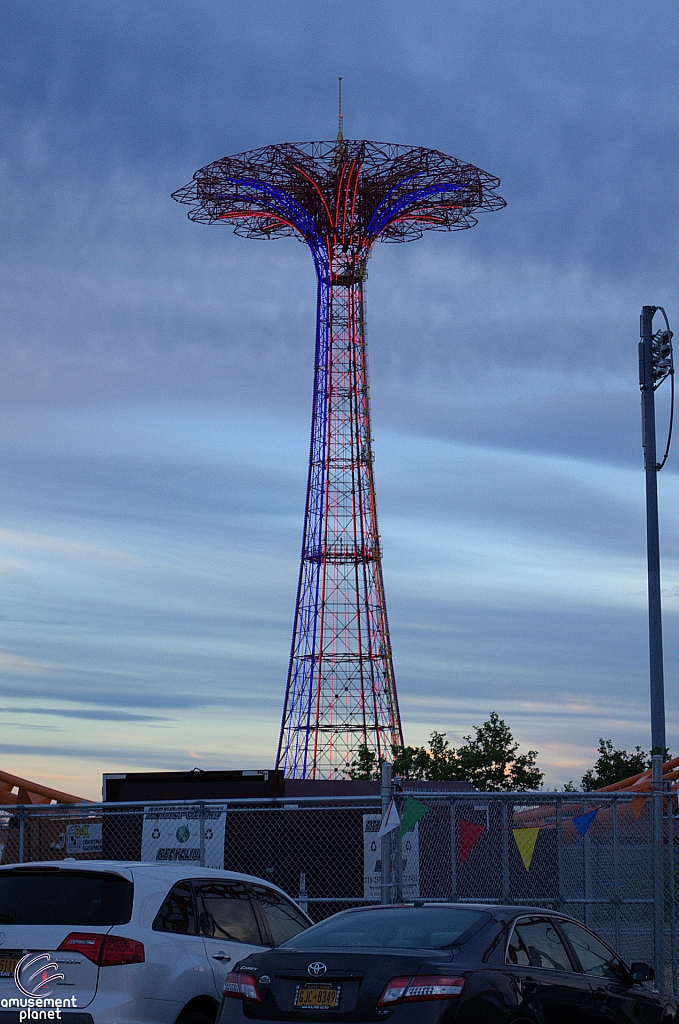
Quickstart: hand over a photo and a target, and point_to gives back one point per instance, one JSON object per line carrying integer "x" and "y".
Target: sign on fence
{"x": 84, "y": 838}
{"x": 173, "y": 834}
{"x": 372, "y": 860}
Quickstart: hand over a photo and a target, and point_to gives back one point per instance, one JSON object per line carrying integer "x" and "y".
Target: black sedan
{"x": 438, "y": 963}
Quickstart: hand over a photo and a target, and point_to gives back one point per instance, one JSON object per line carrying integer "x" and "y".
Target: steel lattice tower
{"x": 339, "y": 197}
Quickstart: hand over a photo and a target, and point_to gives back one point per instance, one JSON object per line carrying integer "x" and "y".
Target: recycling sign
{"x": 173, "y": 833}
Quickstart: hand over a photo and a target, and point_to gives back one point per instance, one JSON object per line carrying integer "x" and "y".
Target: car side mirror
{"x": 641, "y": 972}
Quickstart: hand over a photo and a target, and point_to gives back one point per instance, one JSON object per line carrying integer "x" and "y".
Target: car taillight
{"x": 105, "y": 950}
{"x": 117, "y": 951}
{"x": 420, "y": 988}
{"x": 88, "y": 945}
{"x": 241, "y": 986}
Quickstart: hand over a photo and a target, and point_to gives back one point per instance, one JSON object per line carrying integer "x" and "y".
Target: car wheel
{"x": 194, "y": 1017}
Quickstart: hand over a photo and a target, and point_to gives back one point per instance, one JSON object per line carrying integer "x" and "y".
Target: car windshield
{"x": 400, "y": 927}
{"x": 31, "y": 896}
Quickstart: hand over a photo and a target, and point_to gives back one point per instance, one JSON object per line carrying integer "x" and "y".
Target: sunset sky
{"x": 155, "y": 374}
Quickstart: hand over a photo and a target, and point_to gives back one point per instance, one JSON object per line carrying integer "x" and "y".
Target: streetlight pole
{"x": 648, "y": 382}
{"x": 655, "y": 365}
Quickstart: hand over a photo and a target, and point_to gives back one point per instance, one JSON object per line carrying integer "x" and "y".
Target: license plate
{"x": 7, "y": 965}
{"x": 323, "y": 997}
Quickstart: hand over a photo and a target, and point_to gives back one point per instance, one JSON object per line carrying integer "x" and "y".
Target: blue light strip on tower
{"x": 403, "y": 203}
{"x": 280, "y": 202}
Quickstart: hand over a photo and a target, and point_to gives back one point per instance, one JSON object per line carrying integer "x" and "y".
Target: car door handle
{"x": 529, "y": 985}
{"x": 221, "y": 956}
{"x": 601, "y": 994}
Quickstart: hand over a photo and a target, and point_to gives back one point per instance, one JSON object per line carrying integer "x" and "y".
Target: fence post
{"x": 505, "y": 849}
{"x": 657, "y": 872}
{"x": 453, "y": 852}
{"x": 385, "y": 793}
{"x": 202, "y": 834}
{"x": 559, "y": 852}
{"x": 302, "y": 902}
{"x": 22, "y": 811}
{"x": 397, "y": 859}
{"x": 587, "y": 877}
{"x": 672, "y": 891}
{"x": 616, "y": 871}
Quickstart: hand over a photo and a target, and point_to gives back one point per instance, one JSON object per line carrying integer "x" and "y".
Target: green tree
{"x": 614, "y": 765}
{"x": 365, "y": 765}
{"x": 489, "y": 760}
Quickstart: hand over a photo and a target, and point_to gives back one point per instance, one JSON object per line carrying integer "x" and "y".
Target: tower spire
{"x": 340, "y": 129}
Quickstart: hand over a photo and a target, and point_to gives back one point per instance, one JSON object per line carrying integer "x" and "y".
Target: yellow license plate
{"x": 7, "y": 965}
{"x": 325, "y": 997}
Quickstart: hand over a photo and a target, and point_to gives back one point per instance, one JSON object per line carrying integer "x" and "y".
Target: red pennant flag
{"x": 468, "y": 835}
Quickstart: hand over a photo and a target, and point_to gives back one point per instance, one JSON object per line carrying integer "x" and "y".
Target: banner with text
{"x": 173, "y": 834}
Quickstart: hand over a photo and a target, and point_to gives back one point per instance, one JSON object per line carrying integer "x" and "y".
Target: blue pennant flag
{"x": 583, "y": 821}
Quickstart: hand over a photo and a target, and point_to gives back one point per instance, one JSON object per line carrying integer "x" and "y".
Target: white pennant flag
{"x": 391, "y": 820}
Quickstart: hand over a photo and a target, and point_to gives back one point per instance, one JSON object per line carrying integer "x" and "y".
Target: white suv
{"x": 129, "y": 943}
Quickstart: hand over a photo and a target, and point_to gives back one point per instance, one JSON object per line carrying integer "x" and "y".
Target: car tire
{"x": 194, "y": 1017}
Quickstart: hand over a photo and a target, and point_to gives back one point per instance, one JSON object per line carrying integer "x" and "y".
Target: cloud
{"x": 156, "y": 382}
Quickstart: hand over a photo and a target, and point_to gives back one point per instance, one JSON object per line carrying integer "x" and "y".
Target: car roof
{"x": 169, "y": 872}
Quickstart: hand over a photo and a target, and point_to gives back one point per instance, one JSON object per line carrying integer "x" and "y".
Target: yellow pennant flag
{"x": 525, "y": 840}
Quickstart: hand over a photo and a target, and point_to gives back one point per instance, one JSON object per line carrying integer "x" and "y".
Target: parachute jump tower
{"x": 339, "y": 197}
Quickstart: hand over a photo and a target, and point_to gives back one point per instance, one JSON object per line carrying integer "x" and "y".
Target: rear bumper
{"x": 232, "y": 1012}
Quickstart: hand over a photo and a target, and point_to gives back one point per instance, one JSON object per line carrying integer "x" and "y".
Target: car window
{"x": 398, "y": 927}
{"x": 225, "y": 911}
{"x": 177, "y": 913}
{"x": 516, "y": 954}
{"x": 283, "y": 918}
{"x": 594, "y": 956}
{"x": 31, "y": 895}
{"x": 540, "y": 940}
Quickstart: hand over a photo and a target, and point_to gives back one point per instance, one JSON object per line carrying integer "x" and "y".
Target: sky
{"x": 155, "y": 374}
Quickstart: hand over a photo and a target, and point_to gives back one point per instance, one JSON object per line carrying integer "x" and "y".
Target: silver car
{"x": 108, "y": 942}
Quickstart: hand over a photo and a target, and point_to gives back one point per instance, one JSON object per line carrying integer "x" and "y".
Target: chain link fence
{"x": 607, "y": 859}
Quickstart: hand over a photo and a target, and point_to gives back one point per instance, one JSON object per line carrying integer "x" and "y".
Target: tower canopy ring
{"x": 340, "y": 194}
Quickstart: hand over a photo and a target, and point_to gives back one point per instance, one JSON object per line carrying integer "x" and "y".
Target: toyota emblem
{"x": 317, "y": 969}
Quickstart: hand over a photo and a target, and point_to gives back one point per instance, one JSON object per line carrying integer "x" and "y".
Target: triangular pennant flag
{"x": 468, "y": 834}
{"x": 638, "y": 804}
{"x": 412, "y": 812}
{"x": 583, "y": 821}
{"x": 525, "y": 840}
{"x": 391, "y": 820}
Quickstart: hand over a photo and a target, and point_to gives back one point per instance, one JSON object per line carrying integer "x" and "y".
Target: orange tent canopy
{"x": 32, "y": 792}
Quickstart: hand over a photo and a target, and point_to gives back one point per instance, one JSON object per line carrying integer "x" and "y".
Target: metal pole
{"x": 453, "y": 852}
{"x": 587, "y": 877}
{"x": 302, "y": 901}
{"x": 616, "y": 871}
{"x": 505, "y": 849}
{"x": 559, "y": 852}
{"x": 397, "y": 856}
{"x": 658, "y": 873}
{"x": 22, "y": 813}
{"x": 646, "y": 382}
{"x": 202, "y": 834}
{"x": 672, "y": 892}
{"x": 385, "y": 793}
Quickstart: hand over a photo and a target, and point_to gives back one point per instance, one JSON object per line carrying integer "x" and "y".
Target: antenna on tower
{"x": 340, "y": 132}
